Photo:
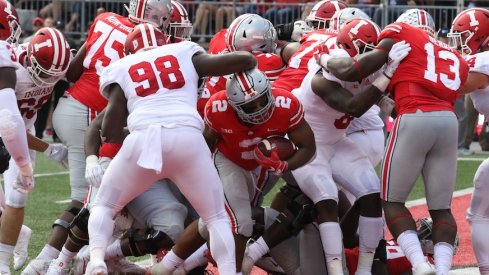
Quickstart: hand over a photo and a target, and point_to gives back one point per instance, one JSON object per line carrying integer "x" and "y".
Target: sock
{"x": 171, "y": 261}
{"x": 100, "y": 229}
{"x": 197, "y": 259}
{"x": 257, "y": 249}
{"x": 66, "y": 256}
{"x": 443, "y": 258}
{"x": 409, "y": 243}
{"x": 114, "y": 250}
{"x": 371, "y": 231}
{"x": 332, "y": 241}
{"x": 48, "y": 253}
{"x": 6, "y": 252}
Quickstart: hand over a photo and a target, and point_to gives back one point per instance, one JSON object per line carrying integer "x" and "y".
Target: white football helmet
{"x": 250, "y": 95}
{"x": 251, "y": 33}
{"x": 156, "y": 12}
{"x": 420, "y": 19}
{"x": 341, "y": 16}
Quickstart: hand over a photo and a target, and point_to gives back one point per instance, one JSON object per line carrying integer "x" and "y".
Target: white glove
{"x": 25, "y": 179}
{"x": 386, "y": 104}
{"x": 396, "y": 55}
{"x": 58, "y": 152}
{"x": 93, "y": 171}
{"x": 300, "y": 28}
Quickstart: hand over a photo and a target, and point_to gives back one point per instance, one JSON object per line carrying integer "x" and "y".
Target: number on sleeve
{"x": 219, "y": 106}
{"x": 283, "y": 102}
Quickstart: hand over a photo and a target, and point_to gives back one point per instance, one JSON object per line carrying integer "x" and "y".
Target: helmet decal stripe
{"x": 56, "y": 47}
{"x": 245, "y": 84}
{"x": 140, "y": 8}
{"x": 181, "y": 10}
{"x": 144, "y": 35}
{"x": 62, "y": 42}
{"x": 154, "y": 42}
{"x": 336, "y": 6}
{"x": 232, "y": 32}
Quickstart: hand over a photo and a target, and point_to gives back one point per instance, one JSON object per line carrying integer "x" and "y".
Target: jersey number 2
{"x": 170, "y": 75}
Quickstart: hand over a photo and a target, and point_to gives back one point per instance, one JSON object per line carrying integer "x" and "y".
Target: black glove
{"x": 284, "y": 31}
{"x": 4, "y": 157}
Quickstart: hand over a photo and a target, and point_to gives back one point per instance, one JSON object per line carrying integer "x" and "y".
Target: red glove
{"x": 320, "y": 50}
{"x": 272, "y": 163}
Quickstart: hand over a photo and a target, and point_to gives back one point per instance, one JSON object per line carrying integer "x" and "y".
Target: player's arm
{"x": 92, "y": 135}
{"x": 356, "y": 69}
{"x": 303, "y": 137}
{"x": 289, "y": 50}
{"x": 12, "y": 128}
{"x": 341, "y": 99}
{"x": 76, "y": 65}
{"x": 223, "y": 64}
{"x": 55, "y": 151}
{"x": 211, "y": 136}
{"x": 115, "y": 115}
{"x": 474, "y": 82}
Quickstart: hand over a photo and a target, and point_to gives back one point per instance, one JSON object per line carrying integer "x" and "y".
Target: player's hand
{"x": 58, "y": 152}
{"x": 396, "y": 55}
{"x": 386, "y": 104}
{"x": 300, "y": 28}
{"x": 25, "y": 179}
{"x": 272, "y": 163}
{"x": 93, "y": 171}
{"x": 322, "y": 55}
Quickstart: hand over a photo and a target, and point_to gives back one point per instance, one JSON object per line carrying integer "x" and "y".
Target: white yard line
{"x": 457, "y": 193}
{"x": 51, "y": 174}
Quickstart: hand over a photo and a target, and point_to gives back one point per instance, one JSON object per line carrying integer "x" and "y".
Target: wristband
{"x": 381, "y": 82}
{"x": 109, "y": 149}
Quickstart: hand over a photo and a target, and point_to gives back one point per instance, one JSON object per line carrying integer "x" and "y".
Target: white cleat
{"x": 96, "y": 268}
{"x": 424, "y": 269}
{"x": 36, "y": 267}
{"x": 124, "y": 266}
{"x": 20, "y": 250}
{"x": 57, "y": 268}
{"x": 80, "y": 261}
{"x": 159, "y": 269}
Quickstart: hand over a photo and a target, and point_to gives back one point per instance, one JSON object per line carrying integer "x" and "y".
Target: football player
{"x": 41, "y": 63}
{"x": 80, "y": 104}
{"x": 424, "y": 137}
{"x": 162, "y": 120}
{"x": 470, "y": 35}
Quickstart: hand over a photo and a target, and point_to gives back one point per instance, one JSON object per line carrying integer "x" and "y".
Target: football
{"x": 286, "y": 148}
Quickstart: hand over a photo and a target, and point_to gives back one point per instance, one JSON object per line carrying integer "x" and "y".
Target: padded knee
{"x": 16, "y": 199}
{"x": 148, "y": 243}
{"x": 304, "y": 212}
{"x": 65, "y": 224}
{"x": 78, "y": 228}
{"x": 203, "y": 231}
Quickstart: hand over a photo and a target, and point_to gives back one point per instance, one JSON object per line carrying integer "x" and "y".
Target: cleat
{"x": 424, "y": 269}
{"x": 96, "y": 268}
{"x": 36, "y": 267}
{"x": 21, "y": 248}
{"x": 57, "y": 268}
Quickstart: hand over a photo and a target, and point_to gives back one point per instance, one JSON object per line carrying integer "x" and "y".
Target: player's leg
{"x": 478, "y": 217}
{"x": 405, "y": 154}
{"x": 439, "y": 174}
{"x": 194, "y": 173}
{"x": 123, "y": 180}
{"x": 371, "y": 142}
{"x": 353, "y": 171}
{"x": 311, "y": 251}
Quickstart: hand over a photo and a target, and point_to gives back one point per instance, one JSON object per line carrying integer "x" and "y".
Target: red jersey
{"x": 429, "y": 77}
{"x": 291, "y": 78}
{"x": 397, "y": 263}
{"x": 237, "y": 140}
{"x": 105, "y": 45}
{"x": 270, "y": 64}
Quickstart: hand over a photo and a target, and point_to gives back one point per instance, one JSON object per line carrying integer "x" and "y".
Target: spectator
{"x": 37, "y": 23}
{"x": 203, "y": 15}
{"x": 283, "y": 12}
{"x": 49, "y": 22}
{"x": 256, "y": 6}
{"x": 225, "y": 9}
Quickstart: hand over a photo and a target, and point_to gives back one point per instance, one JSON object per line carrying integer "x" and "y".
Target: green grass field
{"x": 44, "y": 205}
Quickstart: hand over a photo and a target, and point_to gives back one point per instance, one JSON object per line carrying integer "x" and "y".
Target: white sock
{"x": 100, "y": 228}
{"x": 443, "y": 258}
{"x": 6, "y": 252}
{"x": 66, "y": 256}
{"x": 48, "y": 253}
{"x": 257, "y": 249}
{"x": 371, "y": 231}
{"x": 332, "y": 241}
{"x": 171, "y": 261}
{"x": 409, "y": 243}
{"x": 114, "y": 250}
{"x": 197, "y": 259}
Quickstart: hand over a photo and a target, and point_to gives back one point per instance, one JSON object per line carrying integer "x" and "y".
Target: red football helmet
{"x": 180, "y": 26}
{"x": 48, "y": 57}
{"x": 341, "y": 16}
{"x": 156, "y": 12}
{"x": 144, "y": 37}
{"x": 322, "y": 13}
{"x": 470, "y": 31}
{"x": 420, "y": 19}
{"x": 9, "y": 23}
{"x": 357, "y": 36}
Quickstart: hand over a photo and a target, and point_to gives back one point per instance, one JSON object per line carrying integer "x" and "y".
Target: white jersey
{"x": 30, "y": 98}
{"x": 160, "y": 86}
{"x": 328, "y": 124}
{"x": 480, "y": 97}
{"x": 7, "y": 56}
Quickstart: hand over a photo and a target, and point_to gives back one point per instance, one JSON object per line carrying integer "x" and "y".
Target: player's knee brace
{"x": 148, "y": 243}
{"x": 290, "y": 191}
{"x": 64, "y": 224}
{"x": 78, "y": 228}
{"x": 300, "y": 212}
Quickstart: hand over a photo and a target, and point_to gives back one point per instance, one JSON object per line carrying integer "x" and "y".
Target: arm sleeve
{"x": 109, "y": 76}
{"x": 12, "y": 128}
